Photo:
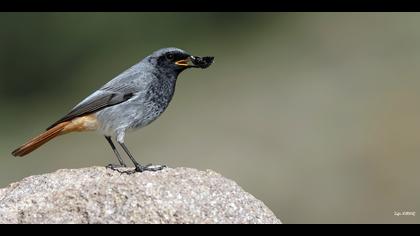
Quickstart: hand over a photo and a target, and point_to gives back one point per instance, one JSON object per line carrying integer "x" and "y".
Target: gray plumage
{"x": 132, "y": 100}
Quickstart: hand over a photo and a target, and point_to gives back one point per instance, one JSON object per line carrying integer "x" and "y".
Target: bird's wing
{"x": 116, "y": 91}
{"x": 105, "y": 97}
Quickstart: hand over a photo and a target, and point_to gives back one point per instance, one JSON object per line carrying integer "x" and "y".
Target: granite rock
{"x": 100, "y": 195}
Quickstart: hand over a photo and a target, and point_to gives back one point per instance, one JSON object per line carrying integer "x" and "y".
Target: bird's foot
{"x": 139, "y": 168}
{"x": 149, "y": 167}
{"x": 116, "y": 167}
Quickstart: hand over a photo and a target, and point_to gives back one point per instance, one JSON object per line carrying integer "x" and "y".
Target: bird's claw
{"x": 139, "y": 168}
{"x": 115, "y": 166}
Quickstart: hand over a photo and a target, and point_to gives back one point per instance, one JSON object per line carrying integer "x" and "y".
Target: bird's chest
{"x": 157, "y": 99}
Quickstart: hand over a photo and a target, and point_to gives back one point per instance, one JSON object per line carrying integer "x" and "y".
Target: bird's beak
{"x": 192, "y": 61}
{"x": 187, "y": 62}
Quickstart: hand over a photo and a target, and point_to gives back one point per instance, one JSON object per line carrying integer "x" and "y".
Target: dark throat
{"x": 161, "y": 91}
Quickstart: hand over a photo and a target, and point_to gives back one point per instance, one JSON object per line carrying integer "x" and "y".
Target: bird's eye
{"x": 170, "y": 56}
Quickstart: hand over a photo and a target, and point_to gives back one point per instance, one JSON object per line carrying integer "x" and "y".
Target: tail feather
{"x": 41, "y": 139}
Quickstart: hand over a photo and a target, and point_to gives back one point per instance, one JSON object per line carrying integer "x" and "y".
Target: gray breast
{"x": 156, "y": 100}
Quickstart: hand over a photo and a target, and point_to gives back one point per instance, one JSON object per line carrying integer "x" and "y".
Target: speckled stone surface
{"x": 100, "y": 195}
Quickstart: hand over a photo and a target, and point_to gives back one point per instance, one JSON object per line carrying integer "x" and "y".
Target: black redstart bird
{"x": 130, "y": 101}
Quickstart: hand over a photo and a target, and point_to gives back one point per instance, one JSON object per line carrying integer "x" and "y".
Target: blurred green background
{"x": 316, "y": 114}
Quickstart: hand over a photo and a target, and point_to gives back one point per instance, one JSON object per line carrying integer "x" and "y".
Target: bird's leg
{"x": 117, "y": 154}
{"x": 140, "y": 168}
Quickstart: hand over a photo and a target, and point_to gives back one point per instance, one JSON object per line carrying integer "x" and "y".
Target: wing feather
{"x": 116, "y": 91}
{"x": 96, "y": 102}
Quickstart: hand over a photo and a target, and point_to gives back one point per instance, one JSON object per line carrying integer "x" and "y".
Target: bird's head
{"x": 176, "y": 60}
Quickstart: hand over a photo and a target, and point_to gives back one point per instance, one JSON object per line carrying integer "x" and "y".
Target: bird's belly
{"x": 117, "y": 117}
{"x": 126, "y": 117}
{"x": 147, "y": 118}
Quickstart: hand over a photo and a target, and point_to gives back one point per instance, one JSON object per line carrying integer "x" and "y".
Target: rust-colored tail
{"x": 41, "y": 139}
